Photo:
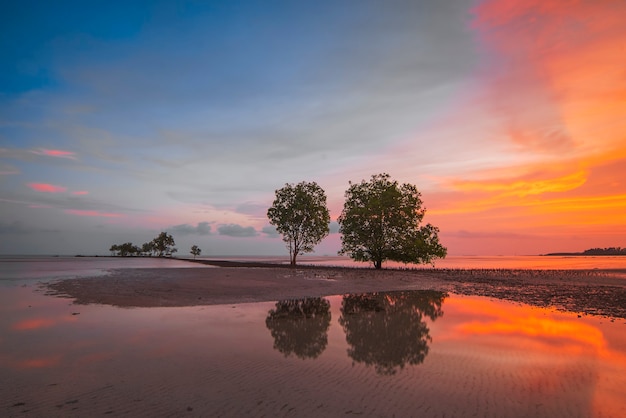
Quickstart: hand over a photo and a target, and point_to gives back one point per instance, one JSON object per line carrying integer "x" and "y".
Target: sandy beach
{"x": 597, "y": 292}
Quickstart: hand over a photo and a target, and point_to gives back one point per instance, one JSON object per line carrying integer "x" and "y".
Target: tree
{"x": 300, "y": 214}
{"x": 195, "y": 251}
{"x": 147, "y": 248}
{"x": 126, "y": 249}
{"x": 381, "y": 221}
{"x": 164, "y": 244}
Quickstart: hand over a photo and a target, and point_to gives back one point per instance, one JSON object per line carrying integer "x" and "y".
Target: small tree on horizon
{"x": 195, "y": 251}
{"x": 300, "y": 215}
{"x": 381, "y": 221}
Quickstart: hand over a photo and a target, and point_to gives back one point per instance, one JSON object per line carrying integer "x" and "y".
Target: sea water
{"x": 403, "y": 353}
{"x": 33, "y": 268}
{"x": 458, "y": 262}
{"x": 408, "y": 353}
{"x": 42, "y": 268}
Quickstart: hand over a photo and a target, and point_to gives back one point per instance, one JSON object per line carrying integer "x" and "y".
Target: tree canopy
{"x": 381, "y": 220}
{"x": 162, "y": 245}
{"x": 300, "y": 215}
{"x": 195, "y": 251}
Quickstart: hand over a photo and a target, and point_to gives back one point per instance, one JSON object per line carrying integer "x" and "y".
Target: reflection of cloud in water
{"x": 299, "y": 326}
{"x": 387, "y": 329}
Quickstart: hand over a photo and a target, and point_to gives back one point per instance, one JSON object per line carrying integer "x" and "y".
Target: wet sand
{"x": 596, "y": 292}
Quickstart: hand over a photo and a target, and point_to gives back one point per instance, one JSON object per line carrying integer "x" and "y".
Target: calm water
{"x": 465, "y": 262}
{"x": 384, "y": 354}
{"x": 42, "y": 268}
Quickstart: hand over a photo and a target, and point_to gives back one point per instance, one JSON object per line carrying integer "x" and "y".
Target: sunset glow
{"x": 94, "y": 213}
{"x": 55, "y": 153}
{"x": 526, "y": 338}
{"x": 47, "y": 188}
{"x": 32, "y": 324}
{"x": 508, "y": 116}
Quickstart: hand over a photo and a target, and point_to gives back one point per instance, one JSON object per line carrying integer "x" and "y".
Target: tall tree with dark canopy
{"x": 300, "y": 214}
{"x": 381, "y": 220}
{"x": 164, "y": 244}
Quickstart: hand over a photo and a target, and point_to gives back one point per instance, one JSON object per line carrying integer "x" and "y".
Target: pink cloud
{"x": 55, "y": 153}
{"x": 80, "y": 192}
{"x": 93, "y": 213}
{"x": 47, "y": 188}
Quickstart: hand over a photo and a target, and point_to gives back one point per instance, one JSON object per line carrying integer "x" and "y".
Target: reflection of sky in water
{"x": 403, "y": 353}
{"x": 36, "y": 268}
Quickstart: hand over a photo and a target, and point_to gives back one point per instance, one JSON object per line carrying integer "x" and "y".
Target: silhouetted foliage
{"x": 147, "y": 248}
{"x": 595, "y": 251}
{"x": 381, "y": 221}
{"x": 387, "y": 330}
{"x": 605, "y": 251}
{"x": 300, "y": 326}
{"x": 164, "y": 244}
{"x": 195, "y": 251}
{"x": 125, "y": 250}
{"x": 300, "y": 215}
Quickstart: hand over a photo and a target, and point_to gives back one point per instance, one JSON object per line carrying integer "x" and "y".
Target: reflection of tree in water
{"x": 387, "y": 330}
{"x": 299, "y": 326}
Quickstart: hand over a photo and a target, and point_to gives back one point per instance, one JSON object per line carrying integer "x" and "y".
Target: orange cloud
{"x": 524, "y": 187}
{"x": 47, "y": 188}
{"x": 55, "y": 153}
{"x": 554, "y": 92}
{"x": 95, "y": 213}
{"x": 80, "y": 192}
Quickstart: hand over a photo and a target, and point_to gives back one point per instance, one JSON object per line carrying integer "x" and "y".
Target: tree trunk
{"x": 378, "y": 264}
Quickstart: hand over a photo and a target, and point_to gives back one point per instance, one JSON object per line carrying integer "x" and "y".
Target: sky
{"x": 119, "y": 120}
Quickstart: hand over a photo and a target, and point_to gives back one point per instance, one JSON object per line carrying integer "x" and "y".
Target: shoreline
{"x": 593, "y": 292}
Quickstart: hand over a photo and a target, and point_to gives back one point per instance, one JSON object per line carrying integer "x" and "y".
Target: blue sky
{"x": 122, "y": 119}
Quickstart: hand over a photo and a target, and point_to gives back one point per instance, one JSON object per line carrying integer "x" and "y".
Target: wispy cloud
{"x": 55, "y": 153}
{"x": 47, "y": 188}
{"x": 22, "y": 228}
{"x": 93, "y": 213}
{"x": 8, "y": 170}
{"x": 80, "y": 192}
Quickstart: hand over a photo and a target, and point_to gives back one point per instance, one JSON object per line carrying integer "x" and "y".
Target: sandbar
{"x": 595, "y": 292}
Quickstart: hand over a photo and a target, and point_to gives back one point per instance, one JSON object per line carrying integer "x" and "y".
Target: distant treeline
{"x": 161, "y": 246}
{"x": 598, "y": 251}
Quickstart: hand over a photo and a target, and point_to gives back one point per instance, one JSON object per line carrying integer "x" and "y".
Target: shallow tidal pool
{"x": 408, "y": 353}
